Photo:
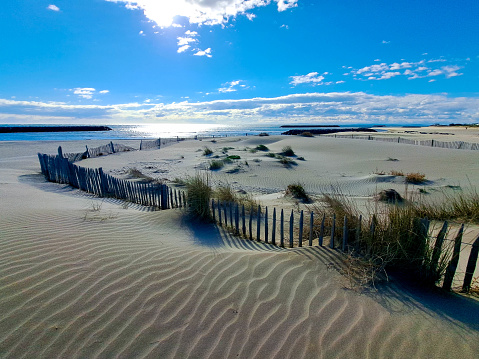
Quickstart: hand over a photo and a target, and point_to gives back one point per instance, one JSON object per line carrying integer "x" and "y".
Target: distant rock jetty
{"x": 323, "y": 131}
{"x": 16, "y": 129}
{"x": 307, "y": 126}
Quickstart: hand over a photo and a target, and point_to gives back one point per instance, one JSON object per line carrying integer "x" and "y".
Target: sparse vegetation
{"x": 271, "y": 154}
{"x": 415, "y": 178}
{"x": 216, "y": 165}
{"x": 297, "y": 191}
{"x": 262, "y": 134}
{"x": 262, "y": 148}
{"x": 207, "y": 151}
{"x": 396, "y": 173}
{"x": 234, "y": 157}
{"x": 307, "y": 134}
{"x": 287, "y": 151}
{"x": 287, "y": 162}
{"x": 225, "y": 193}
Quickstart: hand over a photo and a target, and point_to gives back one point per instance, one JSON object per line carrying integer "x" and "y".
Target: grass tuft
{"x": 216, "y": 165}
{"x": 262, "y": 148}
{"x": 416, "y": 178}
{"x": 287, "y": 151}
{"x": 297, "y": 191}
{"x": 207, "y": 151}
{"x": 199, "y": 195}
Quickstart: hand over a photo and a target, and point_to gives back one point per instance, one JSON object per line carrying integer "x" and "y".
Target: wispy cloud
{"x": 311, "y": 78}
{"x": 53, "y": 8}
{"x": 201, "y": 12}
{"x": 87, "y": 92}
{"x": 232, "y": 86}
{"x": 411, "y": 70}
{"x": 206, "y": 52}
{"x": 334, "y": 107}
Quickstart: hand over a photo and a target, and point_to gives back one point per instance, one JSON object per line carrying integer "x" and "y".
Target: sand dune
{"x": 82, "y": 277}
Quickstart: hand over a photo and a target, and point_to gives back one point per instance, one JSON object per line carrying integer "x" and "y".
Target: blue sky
{"x": 236, "y": 62}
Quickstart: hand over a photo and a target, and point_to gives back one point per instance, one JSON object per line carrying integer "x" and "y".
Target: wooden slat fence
{"x": 457, "y": 145}
{"x": 293, "y": 229}
{"x": 60, "y": 170}
{"x": 104, "y": 150}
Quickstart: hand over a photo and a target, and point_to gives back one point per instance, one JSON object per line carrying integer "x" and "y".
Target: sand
{"x": 83, "y": 277}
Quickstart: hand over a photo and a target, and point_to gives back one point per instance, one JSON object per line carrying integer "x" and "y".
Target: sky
{"x": 239, "y": 62}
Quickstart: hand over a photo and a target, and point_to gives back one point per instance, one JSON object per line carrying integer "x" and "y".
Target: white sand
{"x": 82, "y": 277}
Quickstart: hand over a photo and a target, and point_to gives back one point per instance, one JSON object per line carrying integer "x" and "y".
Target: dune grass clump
{"x": 396, "y": 173}
{"x": 307, "y": 134}
{"x": 234, "y": 157}
{"x": 416, "y": 178}
{"x": 199, "y": 193}
{"x": 262, "y": 148}
{"x": 286, "y": 162}
{"x": 225, "y": 193}
{"x": 297, "y": 191}
{"x": 271, "y": 154}
{"x": 216, "y": 165}
{"x": 287, "y": 151}
{"x": 207, "y": 151}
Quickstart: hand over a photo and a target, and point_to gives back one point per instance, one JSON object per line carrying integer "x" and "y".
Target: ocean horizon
{"x": 154, "y": 131}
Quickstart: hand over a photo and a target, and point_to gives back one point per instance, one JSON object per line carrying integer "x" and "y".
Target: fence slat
{"x": 436, "y": 253}
{"x": 451, "y": 268}
{"x": 281, "y": 233}
{"x": 321, "y": 231}
{"x": 311, "y": 225}
{"x": 471, "y": 266}
{"x": 273, "y": 230}
{"x": 300, "y": 237}
{"x": 243, "y": 215}
{"x": 266, "y": 224}
{"x": 345, "y": 234}
{"x": 333, "y": 228}
{"x": 291, "y": 223}
{"x": 258, "y": 224}
{"x": 251, "y": 223}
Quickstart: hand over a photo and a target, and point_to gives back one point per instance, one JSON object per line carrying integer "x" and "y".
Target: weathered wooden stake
{"x": 321, "y": 231}
{"x": 273, "y": 230}
{"x": 219, "y": 213}
{"x": 451, "y": 268}
{"x": 251, "y": 223}
{"x": 281, "y": 230}
{"x": 301, "y": 219}
{"x": 345, "y": 234}
{"x": 266, "y": 225}
{"x": 291, "y": 223}
{"x": 436, "y": 253}
{"x": 258, "y": 224}
{"x": 471, "y": 266}
{"x": 213, "y": 210}
{"x": 311, "y": 224}
{"x": 333, "y": 228}
{"x": 243, "y": 215}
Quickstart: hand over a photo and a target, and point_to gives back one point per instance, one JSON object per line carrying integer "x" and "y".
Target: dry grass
{"x": 297, "y": 191}
{"x": 287, "y": 151}
{"x": 416, "y": 178}
{"x": 396, "y": 173}
{"x": 199, "y": 195}
{"x": 225, "y": 193}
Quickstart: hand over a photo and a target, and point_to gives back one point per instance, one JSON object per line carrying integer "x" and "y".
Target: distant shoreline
{"x": 328, "y": 130}
{"x": 18, "y": 129}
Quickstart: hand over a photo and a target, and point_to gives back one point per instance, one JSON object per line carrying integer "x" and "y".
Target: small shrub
{"x": 301, "y": 158}
{"x": 392, "y": 159}
{"x": 307, "y": 134}
{"x": 415, "y": 178}
{"x": 297, "y": 191}
{"x": 207, "y": 151}
{"x": 271, "y": 154}
{"x": 234, "y": 157}
{"x": 216, "y": 165}
{"x": 263, "y": 134}
{"x": 262, "y": 148}
{"x": 287, "y": 151}
{"x": 226, "y": 149}
{"x": 396, "y": 173}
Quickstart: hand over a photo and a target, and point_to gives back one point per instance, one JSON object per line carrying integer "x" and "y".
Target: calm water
{"x": 132, "y": 132}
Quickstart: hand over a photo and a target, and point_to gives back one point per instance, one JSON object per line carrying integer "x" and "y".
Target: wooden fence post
{"x": 258, "y": 224}
{"x": 345, "y": 234}
{"x": 225, "y": 211}
{"x": 243, "y": 215}
{"x": 266, "y": 224}
{"x": 219, "y": 213}
{"x": 251, "y": 223}
{"x": 281, "y": 230}
{"x": 333, "y": 228}
{"x": 237, "y": 219}
{"x": 471, "y": 266}
{"x": 436, "y": 253}
{"x": 291, "y": 223}
{"x": 321, "y": 231}
{"x": 230, "y": 205}
{"x": 311, "y": 224}
{"x": 213, "y": 210}
{"x": 273, "y": 230}
{"x": 301, "y": 219}
{"x": 451, "y": 268}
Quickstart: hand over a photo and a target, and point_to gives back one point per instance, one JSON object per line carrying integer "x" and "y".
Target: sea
{"x": 151, "y": 131}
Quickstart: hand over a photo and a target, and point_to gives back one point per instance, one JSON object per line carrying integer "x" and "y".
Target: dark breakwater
{"x": 18, "y": 129}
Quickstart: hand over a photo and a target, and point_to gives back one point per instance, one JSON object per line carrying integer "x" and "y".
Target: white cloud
{"x": 201, "y": 12}
{"x": 84, "y": 92}
{"x": 87, "y": 92}
{"x": 206, "y": 52}
{"x": 232, "y": 86}
{"x": 183, "y": 48}
{"x": 386, "y": 42}
{"x": 53, "y": 8}
{"x": 413, "y": 70}
{"x": 311, "y": 78}
{"x": 334, "y": 107}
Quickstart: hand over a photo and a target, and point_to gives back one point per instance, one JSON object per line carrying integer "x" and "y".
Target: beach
{"x": 86, "y": 277}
